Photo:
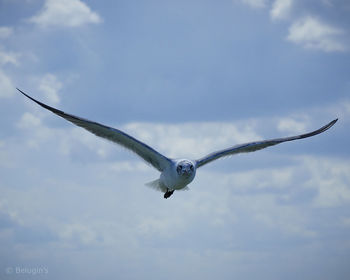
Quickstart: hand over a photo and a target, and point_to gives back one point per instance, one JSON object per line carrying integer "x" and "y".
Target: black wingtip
{"x": 25, "y": 94}
{"x": 20, "y": 90}
{"x": 31, "y": 98}
{"x": 322, "y": 129}
{"x": 333, "y": 122}
{"x": 328, "y": 126}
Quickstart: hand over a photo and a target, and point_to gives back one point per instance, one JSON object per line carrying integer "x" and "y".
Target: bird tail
{"x": 157, "y": 185}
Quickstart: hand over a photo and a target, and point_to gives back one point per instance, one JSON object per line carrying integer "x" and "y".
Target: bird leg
{"x": 168, "y": 193}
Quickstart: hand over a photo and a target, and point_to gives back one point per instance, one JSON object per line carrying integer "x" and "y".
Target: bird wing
{"x": 150, "y": 155}
{"x": 258, "y": 145}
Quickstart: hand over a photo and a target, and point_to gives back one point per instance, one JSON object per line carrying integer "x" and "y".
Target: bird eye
{"x": 179, "y": 167}
{"x": 191, "y": 167}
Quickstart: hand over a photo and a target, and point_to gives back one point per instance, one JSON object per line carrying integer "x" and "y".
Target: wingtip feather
{"x": 26, "y": 95}
{"x": 333, "y": 122}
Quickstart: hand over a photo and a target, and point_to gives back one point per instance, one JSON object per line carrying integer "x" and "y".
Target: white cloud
{"x": 311, "y": 33}
{"x": 65, "y": 139}
{"x": 102, "y": 205}
{"x": 9, "y": 58}
{"x": 255, "y": 3}
{"x": 50, "y": 85}
{"x": 281, "y": 9}
{"x": 290, "y": 221}
{"x": 78, "y": 233}
{"x": 193, "y": 139}
{"x": 331, "y": 178}
{"x": 128, "y": 166}
{"x": 28, "y": 121}
{"x": 5, "y": 32}
{"x": 341, "y": 110}
{"x": 67, "y": 13}
{"x": 328, "y": 177}
{"x": 7, "y": 89}
{"x": 291, "y": 125}
{"x": 38, "y": 132}
{"x": 162, "y": 226}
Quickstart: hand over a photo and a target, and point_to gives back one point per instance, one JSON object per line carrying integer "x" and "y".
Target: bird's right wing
{"x": 258, "y": 145}
{"x": 147, "y": 153}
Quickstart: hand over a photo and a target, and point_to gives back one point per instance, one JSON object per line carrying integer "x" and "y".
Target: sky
{"x": 187, "y": 78}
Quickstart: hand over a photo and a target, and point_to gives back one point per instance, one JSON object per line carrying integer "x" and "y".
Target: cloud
{"x": 281, "y": 9}
{"x": 7, "y": 89}
{"x": 311, "y": 33}
{"x": 323, "y": 181}
{"x": 98, "y": 206}
{"x": 341, "y": 110}
{"x": 66, "y": 13}
{"x": 331, "y": 177}
{"x": 243, "y": 217}
{"x": 78, "y": 233}
{"x": 39, "y": 133}
{"x": 5, "y": 32}
{"x": 255, "y": 3}
{"x": 128, "y": 166}
{"x": 50, "y": 85}
{"x": 193, "y": 139}
{"x": 9, "y": 58}
{"x": 291, "y": 125}
{"x": 29, "y": 120}
{"x": 68, "y": 140}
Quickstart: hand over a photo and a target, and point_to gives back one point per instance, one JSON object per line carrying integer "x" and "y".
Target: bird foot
{"x": 168, "y": 194}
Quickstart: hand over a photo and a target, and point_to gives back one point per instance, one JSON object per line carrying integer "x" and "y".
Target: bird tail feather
{"x": 157, "y": 185}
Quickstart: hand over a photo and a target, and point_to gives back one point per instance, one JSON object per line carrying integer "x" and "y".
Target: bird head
{"x": 185, "y": 168}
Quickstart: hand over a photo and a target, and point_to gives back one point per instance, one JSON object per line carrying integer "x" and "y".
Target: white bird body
{"x": 175, "y": 178}
{"x": 176, "y": 174}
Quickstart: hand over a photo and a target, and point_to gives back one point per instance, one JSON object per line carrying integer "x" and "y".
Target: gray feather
{"x": 147, "y": 153}
{"x": 258, "y": 145}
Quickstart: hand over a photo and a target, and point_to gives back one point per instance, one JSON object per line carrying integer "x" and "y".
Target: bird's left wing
{"x": 258, "y": 145}
{"x": 150, "y": 155}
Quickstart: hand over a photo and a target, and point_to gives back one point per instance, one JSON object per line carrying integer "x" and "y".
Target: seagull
{"x": 175, "y": 174}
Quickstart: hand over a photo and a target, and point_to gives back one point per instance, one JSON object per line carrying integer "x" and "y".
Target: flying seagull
{"x": 175, "y": 174}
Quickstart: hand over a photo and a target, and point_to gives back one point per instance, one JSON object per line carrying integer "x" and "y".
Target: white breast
{"x": 173, "y": 181}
